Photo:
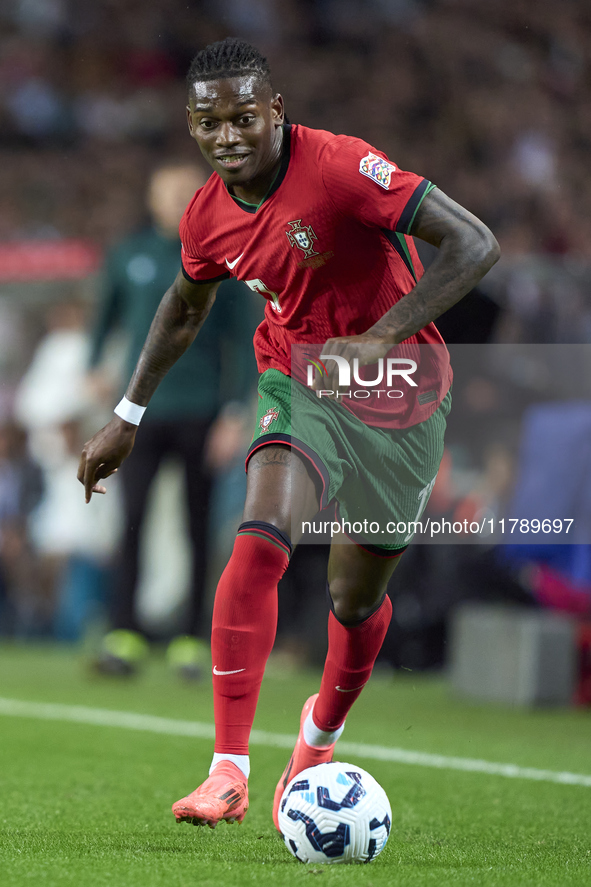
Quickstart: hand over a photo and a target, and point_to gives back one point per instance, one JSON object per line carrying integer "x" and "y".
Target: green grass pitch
{"x": 90, "y": 805}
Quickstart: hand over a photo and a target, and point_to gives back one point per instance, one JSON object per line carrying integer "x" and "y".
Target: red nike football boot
{"x": 303, "y": 756}
{"x": 223, "y": 796}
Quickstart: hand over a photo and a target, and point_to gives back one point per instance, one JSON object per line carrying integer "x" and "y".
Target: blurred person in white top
{"x": 52, "y": 402}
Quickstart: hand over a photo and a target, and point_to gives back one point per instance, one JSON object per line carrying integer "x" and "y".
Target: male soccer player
{"x": 320, "y": 225}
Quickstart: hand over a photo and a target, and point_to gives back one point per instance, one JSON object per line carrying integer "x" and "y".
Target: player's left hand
{"x": 366, "y": 349}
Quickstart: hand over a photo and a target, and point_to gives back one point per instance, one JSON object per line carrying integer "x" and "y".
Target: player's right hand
{"x": 103, "y": 454}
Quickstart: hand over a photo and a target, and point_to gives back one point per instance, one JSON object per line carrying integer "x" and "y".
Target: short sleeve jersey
{"x": 328, "y": 248}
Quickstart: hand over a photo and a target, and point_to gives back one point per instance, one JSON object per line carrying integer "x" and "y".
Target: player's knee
{"x": 350, "y": 603}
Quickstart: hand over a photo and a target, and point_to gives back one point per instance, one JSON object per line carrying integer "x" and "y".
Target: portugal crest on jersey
{"x": 303, "y": 237}
{"x": 377, "y": 168}
{"x": 270, "y": 416}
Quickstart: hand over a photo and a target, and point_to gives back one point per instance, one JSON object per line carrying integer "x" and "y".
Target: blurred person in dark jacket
{"x": 197, "y": 406}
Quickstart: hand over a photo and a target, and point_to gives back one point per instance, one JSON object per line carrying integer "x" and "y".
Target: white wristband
{"x": 130, "y": 412}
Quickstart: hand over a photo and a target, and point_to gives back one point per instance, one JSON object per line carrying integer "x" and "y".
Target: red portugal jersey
{"x": 329, "y": 249}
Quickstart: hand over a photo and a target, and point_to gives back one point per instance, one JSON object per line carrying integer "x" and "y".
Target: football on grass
{"x": 334, "y": 813}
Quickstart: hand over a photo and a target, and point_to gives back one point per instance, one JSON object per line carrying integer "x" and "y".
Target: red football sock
{"x": 243, "y": 630}
{"x": 352, "y": 651}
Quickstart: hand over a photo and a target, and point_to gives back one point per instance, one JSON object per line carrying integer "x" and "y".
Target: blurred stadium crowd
{"x": 491, "y": 101}
{"x": 488, "y": 100}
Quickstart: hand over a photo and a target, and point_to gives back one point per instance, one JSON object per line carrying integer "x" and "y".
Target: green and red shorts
{"x": 378, "y": 479}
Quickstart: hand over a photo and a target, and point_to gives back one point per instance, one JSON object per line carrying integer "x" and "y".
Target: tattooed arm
{"x": 179, "y": 318}
{"x": 181, "y": 314}
{"x": 467, "y": 250}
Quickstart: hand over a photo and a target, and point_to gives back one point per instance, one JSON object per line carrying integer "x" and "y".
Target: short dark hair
{"x": 228, "y": 58}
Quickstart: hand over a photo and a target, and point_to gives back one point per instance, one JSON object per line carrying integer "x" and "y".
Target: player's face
{"x": 237, "y": 124}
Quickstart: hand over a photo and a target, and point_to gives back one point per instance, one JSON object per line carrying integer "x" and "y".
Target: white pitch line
{"x": 101, "y": 717}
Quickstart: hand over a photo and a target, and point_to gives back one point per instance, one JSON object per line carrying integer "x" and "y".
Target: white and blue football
{"x": 334, "y": 813}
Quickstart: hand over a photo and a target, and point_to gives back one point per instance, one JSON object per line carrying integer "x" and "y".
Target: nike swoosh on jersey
{"x": 233, "y": 264}
{"x": 236, "y": 670}
{"x": 352, "y": 690}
